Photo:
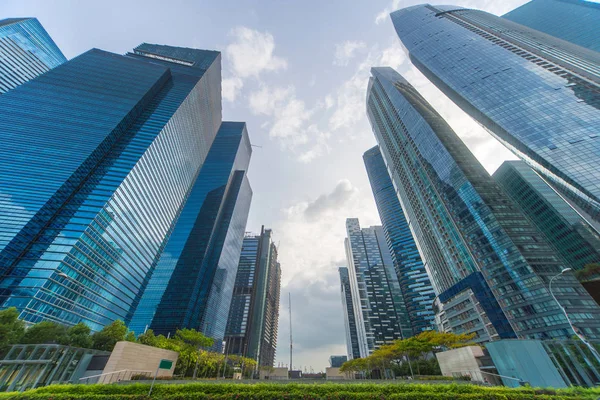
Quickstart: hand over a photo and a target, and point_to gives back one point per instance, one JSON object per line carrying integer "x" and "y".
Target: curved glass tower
{"x": 489, "y": 266}
{"x": 540, "y": 96}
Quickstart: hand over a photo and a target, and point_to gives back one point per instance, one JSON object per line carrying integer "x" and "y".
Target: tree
{"x": 79, "y": 336}
{"x": 148, "y": 338}
{"x": 45, "y": 332}
{"x": 11, "y": 328}
{"x": 130, "y": 337}
{"x": 191, "y": 343}
{"x": 109, "y": 336}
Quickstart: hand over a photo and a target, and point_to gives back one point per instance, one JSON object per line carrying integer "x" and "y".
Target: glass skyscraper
{"x": 192, "y": 284}
{"x": 349, "y": 319}
{"x": 576, "y": 21}
{"x": 563, "y": 227}
{"x": 414, "y": 283}
{"x": 489, "y": 266}
{"x": 99, "y": 156}
{"x": 540, "y": 96}
{"x": 376, "y": 295}
{"x": 26, "y": 51}
{"x": 253, "y": 317}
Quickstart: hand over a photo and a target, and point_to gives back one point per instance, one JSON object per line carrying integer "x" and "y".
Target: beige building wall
{"x": 463, "y": 361}
{"x": 139, "y": 357}
{"x": 334, "y": 373}
{"x": 275, "y": 373}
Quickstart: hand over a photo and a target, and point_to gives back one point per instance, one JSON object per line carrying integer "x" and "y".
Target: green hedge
{"x": 293, "y": 391}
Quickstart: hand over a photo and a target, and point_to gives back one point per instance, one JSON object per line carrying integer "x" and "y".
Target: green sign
{"x": 165, "y": 364}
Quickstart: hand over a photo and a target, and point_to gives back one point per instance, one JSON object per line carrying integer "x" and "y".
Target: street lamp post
{"x": 579, "y": 335}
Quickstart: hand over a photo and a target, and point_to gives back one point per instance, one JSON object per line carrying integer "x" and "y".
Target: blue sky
{"x": 296, "y": 72}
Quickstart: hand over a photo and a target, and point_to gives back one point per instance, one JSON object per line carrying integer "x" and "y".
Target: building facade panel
{"x": 576, "y": 241}
{"x": 576, "y": 21}
{"x": 352, "y": 348}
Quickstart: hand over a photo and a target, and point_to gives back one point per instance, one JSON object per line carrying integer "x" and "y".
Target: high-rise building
{"x": 576, "y": 21}
{"x": 349, "y": 318}
{"x": 26, "y": 51}
{"x": 489, "y": 265}
{"x": 192, "y": 284}
{"x": 564, "y": 228}
{"x": 254, "y": 313}
{"x": 99, "y": 156}
{"x": 337, "y": 361}
{"x": 539, "y": 95}
{"x": 414, "y": 283}
{"x": 375, "y": 289}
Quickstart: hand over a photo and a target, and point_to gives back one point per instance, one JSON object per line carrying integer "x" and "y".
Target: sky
{"x": 296, "y": 72}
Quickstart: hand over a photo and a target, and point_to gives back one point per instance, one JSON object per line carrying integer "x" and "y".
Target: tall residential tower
{"x": 539, "y": 95}
{"x": 379, "y": 310}
{"x": 488, "y": 264}
{"x": 350, "y": 327}
{"x": 253, "y": 317}
{"x": 414, "y": 283}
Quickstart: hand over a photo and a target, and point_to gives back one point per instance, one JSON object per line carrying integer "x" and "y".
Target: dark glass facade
{"x": 99, "y": 156}
{"x": 564, "y": 228}
{"x": 540, "y": 96}
{"x": 254, "y": 313}
{"x": 376, "y": 293}
{"x": 415, "y": 285}
{"x": 26, "y": 51}
{"x": 192, "y": 284}
{"x": 465, "y": 225}
{"x": 576, "y": 21}
{"x": 349, "y": 318}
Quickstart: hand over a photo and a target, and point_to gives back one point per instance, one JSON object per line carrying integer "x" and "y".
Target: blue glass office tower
{"x": 415, "y": 285}
{"x": 192, "y": 283}
{"x": 563, "y": 227}
{"x": 252, "y": 325}
{"x": 26, "y": 51}
{"x": 99, "y": 156}
{"x": 489, "y": 266}
{"x": 349, "y": 318}
{"x": 540, "y": 96}
{"x": 576, "y": 21}
{"x": 379, "y": 310}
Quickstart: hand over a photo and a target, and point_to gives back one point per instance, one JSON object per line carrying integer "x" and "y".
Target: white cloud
{"x": 351, "y": 95}
{"x": 344, "y": 52}
{"x": 384, "y": 14}
{"x": 252, "y": 53}
{"x": 231, "y": 87}
{"x": 290, "y": 121}
{"x": 249, "y": 55}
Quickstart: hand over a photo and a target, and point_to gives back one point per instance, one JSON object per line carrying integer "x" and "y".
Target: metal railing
{"x": 116, "y": 376}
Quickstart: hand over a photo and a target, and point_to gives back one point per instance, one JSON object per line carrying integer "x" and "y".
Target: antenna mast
{"x": 291, "y": 341}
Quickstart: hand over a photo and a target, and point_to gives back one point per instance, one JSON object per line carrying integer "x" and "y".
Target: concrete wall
{"x": 334, "y": 373}
{"x": 134, "y": 356}
{"x": 461, "y": 361}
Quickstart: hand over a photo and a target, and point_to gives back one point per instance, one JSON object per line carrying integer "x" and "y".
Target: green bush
{"x": 303, "y": 391}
